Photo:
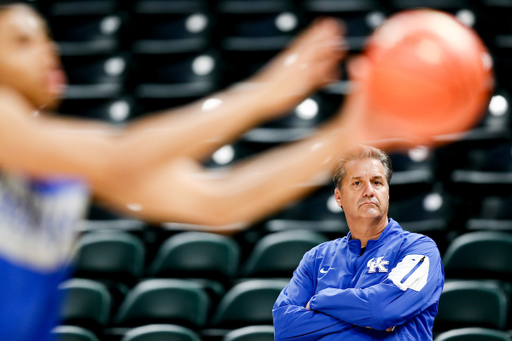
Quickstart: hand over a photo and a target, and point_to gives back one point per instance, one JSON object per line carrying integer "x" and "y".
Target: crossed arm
{"x": 380, "y": 306}
{"x": 291, "y": 319}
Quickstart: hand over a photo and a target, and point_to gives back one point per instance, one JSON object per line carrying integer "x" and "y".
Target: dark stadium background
{"x": 127, "y": 58}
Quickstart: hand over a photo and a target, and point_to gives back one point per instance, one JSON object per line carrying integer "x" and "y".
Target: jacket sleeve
{"x": 414, "y": 284}
{"x": 292, "y": 321}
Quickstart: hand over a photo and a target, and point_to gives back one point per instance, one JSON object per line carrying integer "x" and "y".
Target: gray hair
{"x": 360, "y": 152}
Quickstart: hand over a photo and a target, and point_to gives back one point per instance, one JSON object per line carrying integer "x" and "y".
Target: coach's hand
{"x": 307, "y": 306}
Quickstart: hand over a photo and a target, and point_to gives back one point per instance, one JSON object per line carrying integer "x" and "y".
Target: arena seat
{"x": 497, "y": 116}
{"x": 468, "y": 303}
{"x": 170, "y": 26}
{"x": 112, "y": 255}
{"x": 164, "y": 301}
{"x": 308, "y": 114}
{"x": 485, "y": 254}
{"x": 413, "y": 172}
{"x": 253, "y": 32}
{"x": 94, "y": 69}
{"x": 361, "y": 17}
{"x": 429, "y": 213}
{"x": 251, "y": 333}
{"x": 279, "y": 254}
{"x": 458, "y": 8}
{"x": 160, "y": 332}
{"x": 173, "y": 63}
{"x": 497, "y": 32}
{"x": 487, "y": 171}
{"x": 96, "y": 87}
{"x": 197, "y": 255}
{"x": 86, "y": 27}
{"x": 259, "y": 295}
{"x": 298, "y": 123}
{"x": 113, "y": 110}
{"x": 166, "y": 80}
{"x": 232, "y": 153}
{"x": 318, "y": 212}
{"x": 73, "y": 333}
{"x": 473, "y": 334}
{"x": 493, "y": 213}
{"x": 89, "y": 37}
{"x": 86, "y": 303}
{"x": 423, "y": 212}
{"x": 257, "y": 25}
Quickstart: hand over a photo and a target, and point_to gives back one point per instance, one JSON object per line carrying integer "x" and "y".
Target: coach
{"x": 377, "y": 283}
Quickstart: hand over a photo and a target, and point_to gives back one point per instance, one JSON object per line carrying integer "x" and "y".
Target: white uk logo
{"x": 377, "y": 265}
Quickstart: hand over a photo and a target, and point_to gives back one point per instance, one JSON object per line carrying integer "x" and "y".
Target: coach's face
{"x": 28, "y": 60}
{"x": 364, "y": 191}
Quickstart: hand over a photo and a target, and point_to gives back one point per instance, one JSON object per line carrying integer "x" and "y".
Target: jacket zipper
{"x": 412, "y": 271}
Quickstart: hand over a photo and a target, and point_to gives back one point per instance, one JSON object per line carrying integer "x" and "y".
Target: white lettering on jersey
{"x": 377, "y": 265}
{"x": 38, "y": 225}
{"x": 411, "y": 272}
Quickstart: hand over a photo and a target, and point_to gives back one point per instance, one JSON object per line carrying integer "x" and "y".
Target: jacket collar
{"x": 392, "y": 229}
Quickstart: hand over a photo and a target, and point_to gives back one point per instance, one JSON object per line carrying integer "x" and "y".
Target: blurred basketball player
{"x": 151, "y": 169}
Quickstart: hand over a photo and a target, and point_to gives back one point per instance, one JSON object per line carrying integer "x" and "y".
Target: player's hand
{"x": 311, "y": 61}
{"x": 307, "y": 306}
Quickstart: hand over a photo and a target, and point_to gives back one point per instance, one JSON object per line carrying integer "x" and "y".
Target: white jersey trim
{"x": 418, "y": 279}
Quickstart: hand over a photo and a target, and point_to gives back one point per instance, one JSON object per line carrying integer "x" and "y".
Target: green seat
{"x": 73, "y": 333}
{"x": 86, "y": 303}
{"x": 483, "y": 255}
{"x": 279, "y": 254}
{"x": 117, "y": 256}
{"x": 164, "y": 301}
{"x": 248, "y": 303}
{"x": 161, "y": 332}
{"x": 473, "y": 334}
{"x": 471, "y": 303}
{"x": 197, "y": 255}
{"x": 251, "y": 333}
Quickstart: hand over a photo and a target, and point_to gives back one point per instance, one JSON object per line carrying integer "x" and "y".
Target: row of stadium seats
{"x": 463, "y": 303}
{"x": 131, "y": 57}
{"x": 117, "y": 260}
{"x": 120, "y": 257}
{"x": 160, "y": 332}
{"x": 251, "y": 333}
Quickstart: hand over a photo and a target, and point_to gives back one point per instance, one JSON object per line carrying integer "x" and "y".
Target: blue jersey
{"x": 38, "y": 224}
{"x": 396, "y": 282}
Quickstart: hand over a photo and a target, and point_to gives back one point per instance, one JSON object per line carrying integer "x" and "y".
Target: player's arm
{"x": 412, "y": 286}
{"x": 175, "y": 191}
{"x": 179, "y": 189}
{"x": 38, "y": 147}
{"x": 183, "y": 191}
{"x": 292, "y": 321}
{"x": 198, "y": 129}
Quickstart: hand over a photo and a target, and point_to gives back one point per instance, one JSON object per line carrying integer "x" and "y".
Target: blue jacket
{"x": 38, "y": 226}
{"x": 396, "y": 282}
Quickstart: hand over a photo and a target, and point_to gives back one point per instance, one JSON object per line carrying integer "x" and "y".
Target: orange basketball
{"x": 429, "y": 74}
